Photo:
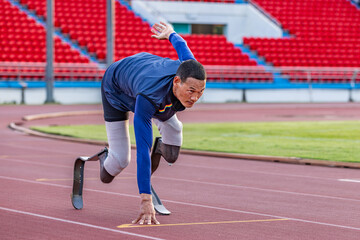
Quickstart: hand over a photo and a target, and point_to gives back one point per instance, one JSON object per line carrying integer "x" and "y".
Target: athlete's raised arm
{"x": 165, "y": 31}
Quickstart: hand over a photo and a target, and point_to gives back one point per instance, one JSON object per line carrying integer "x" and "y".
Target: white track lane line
{"x": 52, "y": 165}
{"x": 78, "y": 223}
{"x": 207, "y": 183}
{"x": 261, "y": 189}
{"x": 192, "y": 166}
{"x": 257, "y": 172}
{"x": 179, "y": 164}
{"x": 350, "y": 180}
{"x": 189, "y": 204}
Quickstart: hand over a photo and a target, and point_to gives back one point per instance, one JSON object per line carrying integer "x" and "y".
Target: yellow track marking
{"x": 70, "y": 179}
{"x": 200, "y": 223}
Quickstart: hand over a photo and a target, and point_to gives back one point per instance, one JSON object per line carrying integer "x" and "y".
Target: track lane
{"x": 196, "y": 190}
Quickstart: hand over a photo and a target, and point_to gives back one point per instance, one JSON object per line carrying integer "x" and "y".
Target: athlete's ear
{"x": 177, "y": 81}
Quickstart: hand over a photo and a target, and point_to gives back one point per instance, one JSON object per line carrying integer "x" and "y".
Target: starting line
{"x": 78, "y": 223}
{"x": 201, "y": 223}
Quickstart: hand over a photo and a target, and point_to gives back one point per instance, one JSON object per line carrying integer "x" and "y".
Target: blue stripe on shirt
{"x": 144, "y": 111}
{"x": 183, "y": 51}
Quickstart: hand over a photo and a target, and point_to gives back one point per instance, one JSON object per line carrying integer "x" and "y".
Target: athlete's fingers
{"x": 143, "y": 219}
{"x": 147, "y": 219}
{"x": 137, "y": 219}
{"x": 158, "y": 27}
{"x": 156, "y": 33}
{"x": 164, "y": 24}
{"x": 154, "y": 220}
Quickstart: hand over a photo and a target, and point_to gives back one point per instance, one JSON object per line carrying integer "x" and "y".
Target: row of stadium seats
{"x": 316, "y": 39}
{"x": 213, "y": 1}
{"x": 62, "y": 72}
{"x": 323, "y": 33}
{"x": 85, "y": 24}
{"x": 334, "y": 76}
{"x": 23, "y": 40}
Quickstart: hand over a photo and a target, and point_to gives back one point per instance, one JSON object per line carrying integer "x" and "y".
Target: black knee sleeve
{"x": 169, "y": 152}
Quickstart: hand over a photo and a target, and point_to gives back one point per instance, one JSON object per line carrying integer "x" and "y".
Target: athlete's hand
{"x": 161, "y": 30}
{"x": 147, "y": 211}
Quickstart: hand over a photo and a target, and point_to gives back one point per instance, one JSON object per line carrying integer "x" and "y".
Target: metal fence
{"x": 22, "y": 71}
{"x": 207, "y": 1}
{"x": 283, "y": 74}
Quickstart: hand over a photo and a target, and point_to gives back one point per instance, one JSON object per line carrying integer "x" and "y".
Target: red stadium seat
{"x": 23, "y": 40}
{"x": 316, "y": 38}
{"x": 85, "y": 23}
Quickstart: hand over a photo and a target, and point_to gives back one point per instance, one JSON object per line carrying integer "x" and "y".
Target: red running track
{"x": 210, "y": 198}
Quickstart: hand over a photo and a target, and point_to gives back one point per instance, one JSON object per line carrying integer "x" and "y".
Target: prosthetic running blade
{"x": 159, "y": 207}
{"x": 78, "y": 183}
{"x": 155, "y": 160}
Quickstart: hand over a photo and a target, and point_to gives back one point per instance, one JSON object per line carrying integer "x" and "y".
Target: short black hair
{"x": 191, "y": 68}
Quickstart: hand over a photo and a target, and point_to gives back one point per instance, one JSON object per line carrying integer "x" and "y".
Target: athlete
{"x": 153, "y": 88}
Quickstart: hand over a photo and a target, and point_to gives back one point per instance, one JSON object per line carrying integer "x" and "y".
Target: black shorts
{"x": 112, "y": 114}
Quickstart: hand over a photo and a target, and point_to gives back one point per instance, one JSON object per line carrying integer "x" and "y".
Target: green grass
{"x": 335, "y": 141}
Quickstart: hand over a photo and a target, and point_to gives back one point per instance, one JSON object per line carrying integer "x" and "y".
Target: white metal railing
{"x": 291, "y": 74}
{"x": 207, "y": 1}
{"x": 320, "y": 74}
{"x": 238, "y": 74}
{"x": 23, "y": 71}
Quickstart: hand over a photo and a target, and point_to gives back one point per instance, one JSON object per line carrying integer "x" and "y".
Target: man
{"x": 153, "y": 88}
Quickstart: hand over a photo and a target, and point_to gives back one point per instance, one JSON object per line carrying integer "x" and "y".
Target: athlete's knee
{"x": 177, "y": 127}
{"x": 169, "y": 152}
{"x": 117, "y": 161}
{"x": 173, "y": 154}
{"x": 123, "y": 160}
{"x": 172, "y": 135}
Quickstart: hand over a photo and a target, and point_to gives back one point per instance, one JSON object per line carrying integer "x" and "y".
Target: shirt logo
{"x": 166, "y": 106}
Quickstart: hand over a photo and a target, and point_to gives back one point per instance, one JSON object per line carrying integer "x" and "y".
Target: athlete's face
{"x": 188, "y": 92}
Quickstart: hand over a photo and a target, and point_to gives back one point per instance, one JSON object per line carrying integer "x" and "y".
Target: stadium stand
{"x": 213, "y": 1}
{"x": 23, "y": 40}
{"x": 84, "y": 23}
{"x": 323, "y": 34}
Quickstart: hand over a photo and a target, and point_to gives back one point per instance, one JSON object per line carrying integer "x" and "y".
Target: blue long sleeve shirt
{"x": 143, "y": 83}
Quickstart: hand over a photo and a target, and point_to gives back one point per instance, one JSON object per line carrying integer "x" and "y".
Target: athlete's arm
{"x": 144, "y": 110}
{"x": 163, "y": 31}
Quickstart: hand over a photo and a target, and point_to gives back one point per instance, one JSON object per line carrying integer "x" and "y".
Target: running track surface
{"x": 210, "y": 198}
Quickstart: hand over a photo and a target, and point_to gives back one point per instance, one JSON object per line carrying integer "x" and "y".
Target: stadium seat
{"x": 323, "y": 34}
{"x": 84, "y": 22}
{"x": 23, "y": 40}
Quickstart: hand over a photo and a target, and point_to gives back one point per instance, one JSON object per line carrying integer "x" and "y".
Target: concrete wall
{"x": 61, "y": 95}
{"x": 279, "y": 95}
{"x": 241, "y": 20}
{"x": 355, "y": 95}
{"x": 10, "y": 95}
{"x": 77, "y": 95}
{"x": 211, "y": 95}
{"x": 296, "y": 95}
